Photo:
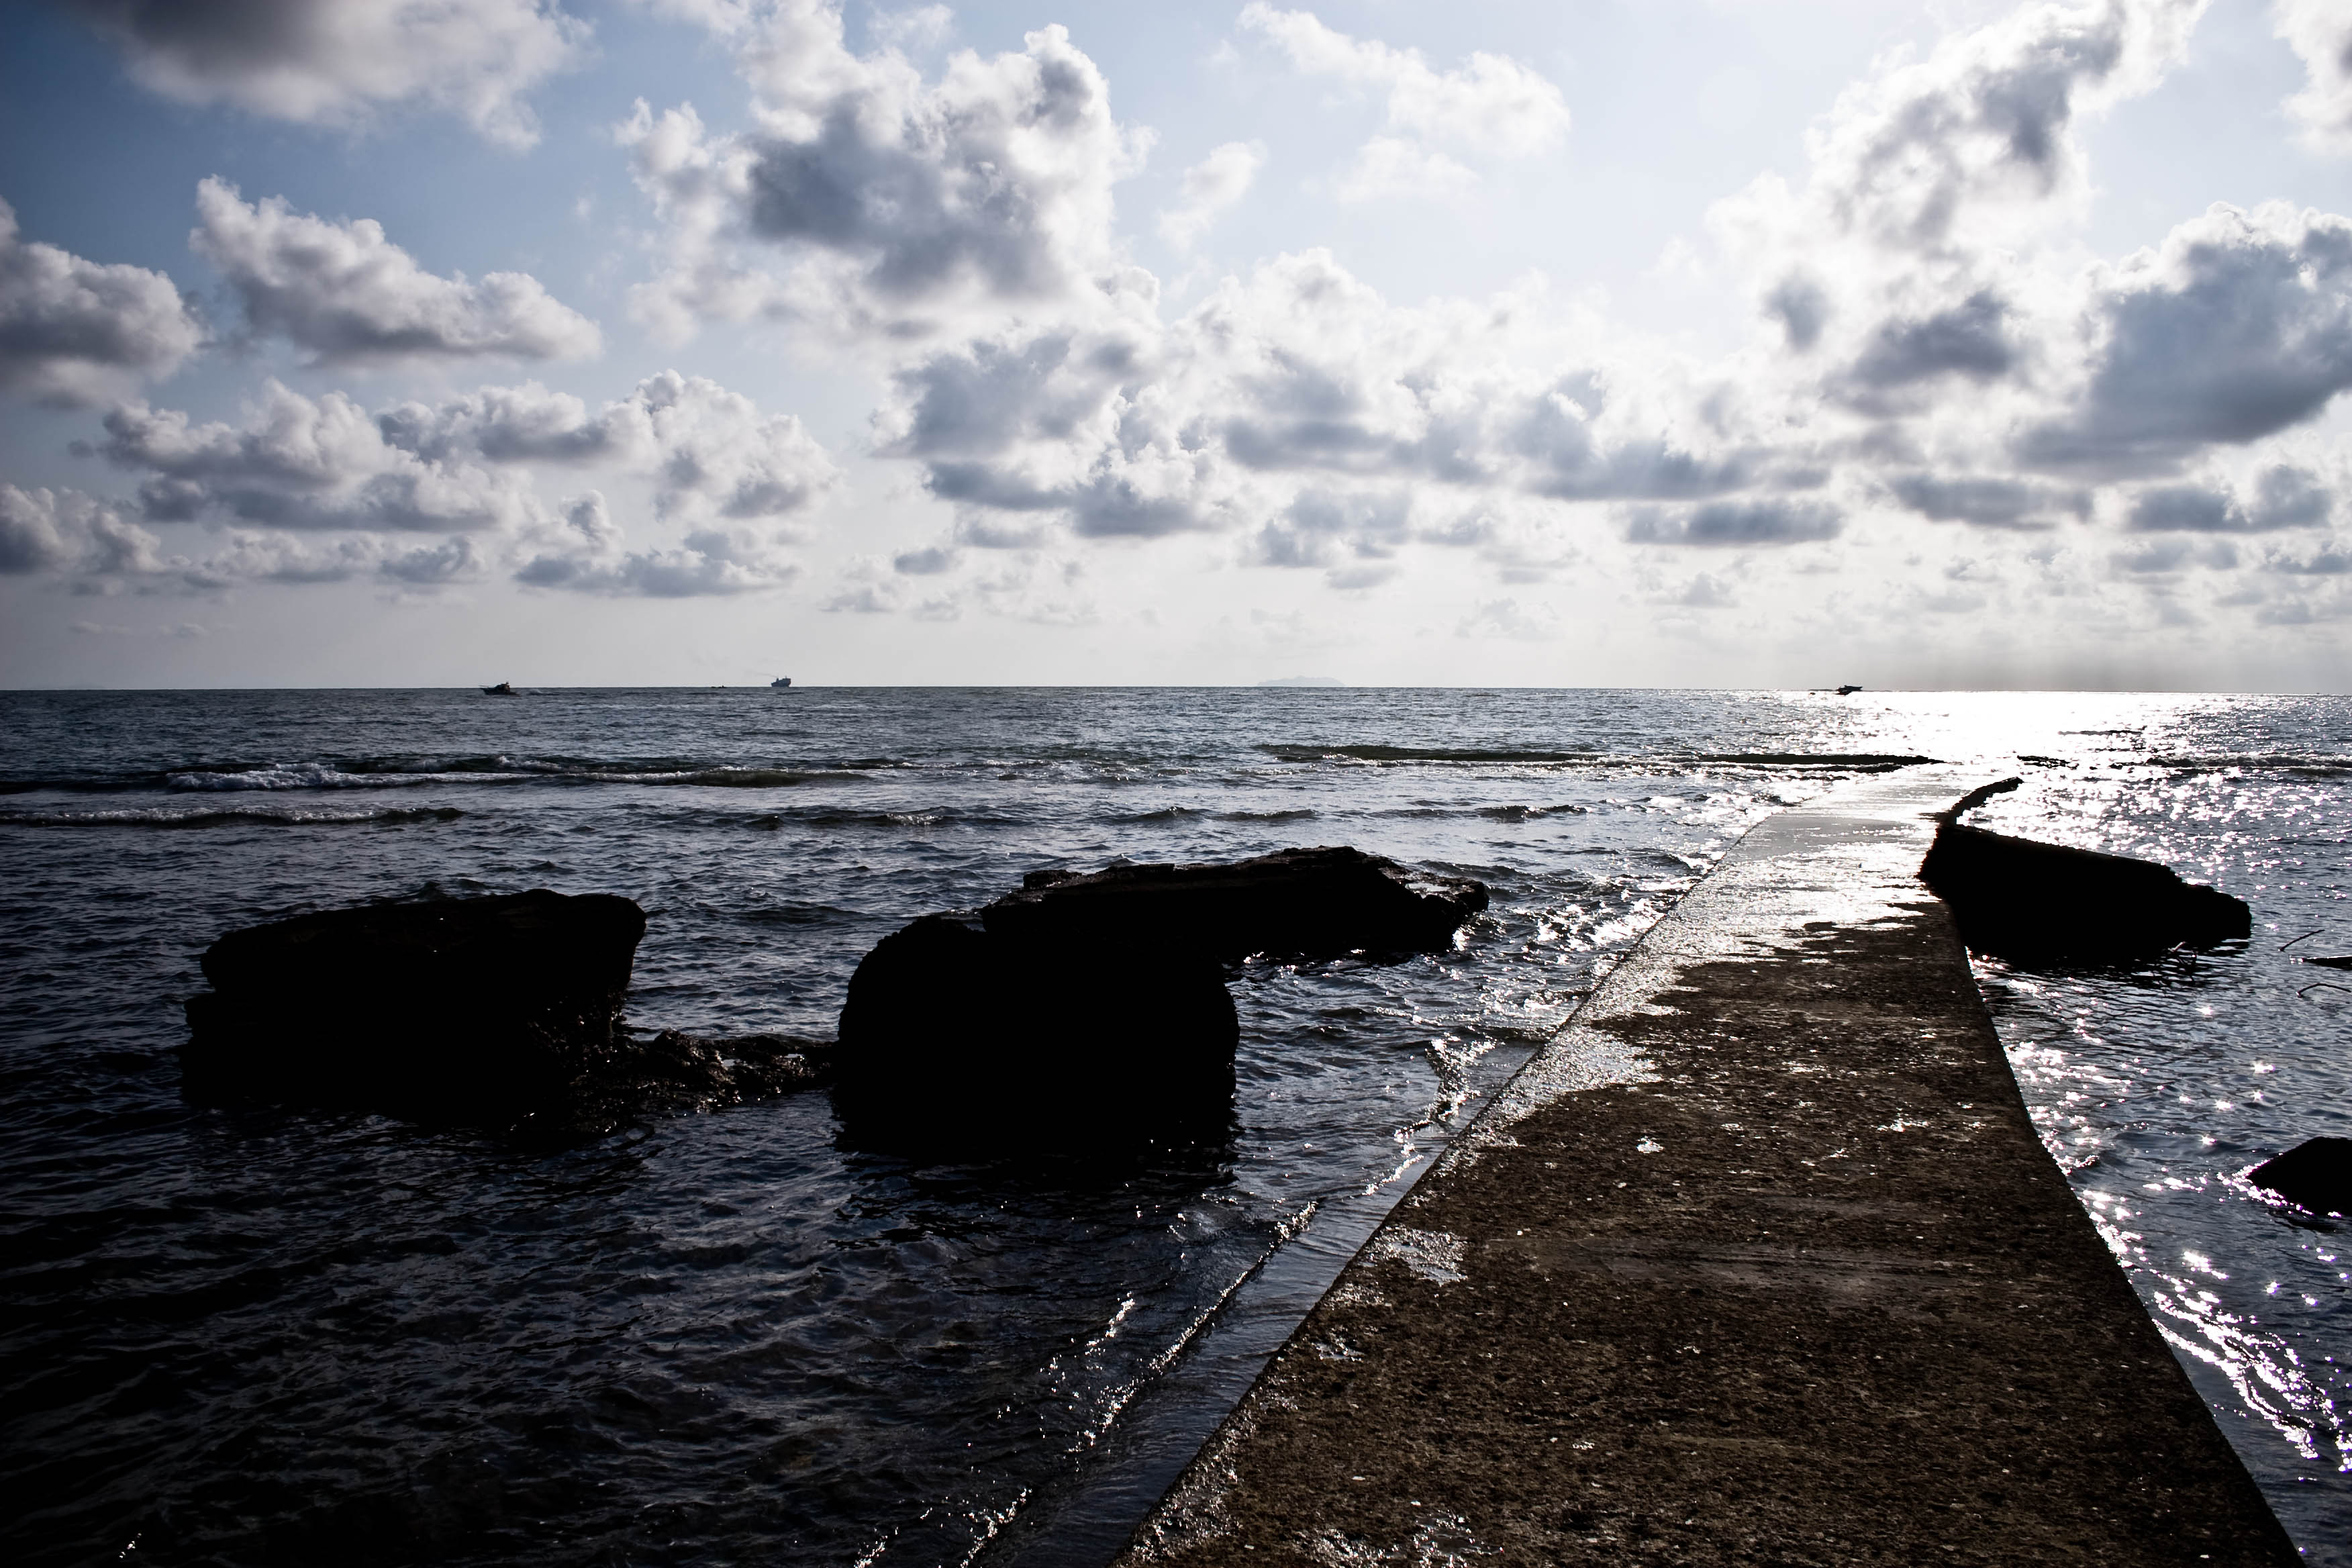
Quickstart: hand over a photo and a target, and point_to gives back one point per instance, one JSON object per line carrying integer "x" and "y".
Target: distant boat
{"x": 780, "y": 682}
{"x": 1847, "y": 691}
{"x": 503, "y": 688}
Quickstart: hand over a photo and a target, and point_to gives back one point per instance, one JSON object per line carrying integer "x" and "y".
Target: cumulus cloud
{"x": 2239, "y": 326}
{"x": 1211, "y": 185}
{"x": 92, "y": 547}
{"x": 1489, "y": 102}
{"x": 2283, "y": 497}
{"x": 586, "y": 553}
{"x": 304, "y": 463}
{"x": 1354, "y": 536}
{"x": 334, "y": 62}
{"x": 708, "y": 452}
{"x": 1905, "y": 260}
{"x": 1970, "y": 340}
{"x": 1916, "y": 157}
{"x": 894, "y": 201}
{"x": 1736, "y": 524}
{"x": 1987, "y": 500}
{"x": 1490, "y": 105}
{"x": 75, "y": 331}
{"x": 1395, "y": 166}
{"x": 347, "y": 294}
{"x": 711, "y": 452}
{"x": 1510, "y": 618}
{"x": 1950, "y": 351}
{"x": 1295, "y": 407}
{"x": 45, "y": 531}
{"x": 730, "y": 486}
{"x": 2320, "y": 31}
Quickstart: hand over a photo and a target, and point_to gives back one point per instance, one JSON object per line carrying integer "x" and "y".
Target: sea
{"x": 252, "y": 1334}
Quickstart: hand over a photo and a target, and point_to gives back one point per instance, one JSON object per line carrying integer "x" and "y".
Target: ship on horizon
{"x": 780, "y": 683}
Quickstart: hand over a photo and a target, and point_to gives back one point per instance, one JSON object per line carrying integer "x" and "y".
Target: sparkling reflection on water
{"x": 262, "y": 1335}
{"x": 2157, "y": 1088}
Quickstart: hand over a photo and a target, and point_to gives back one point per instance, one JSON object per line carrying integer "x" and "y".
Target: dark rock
{"x": 1088, "y": 1012}
{"x": 1293, "y": 903}
{"x": 2315, "y": 1175}
{"x": 2038, "y": 903}
{"x": 957, "y": 1040}
{"x": 459, "y": 1010}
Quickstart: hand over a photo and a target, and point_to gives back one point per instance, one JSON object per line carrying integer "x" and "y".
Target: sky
{"x": 1583, "y": 343}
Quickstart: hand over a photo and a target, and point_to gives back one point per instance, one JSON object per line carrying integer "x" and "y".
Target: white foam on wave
{"x": 318, "y": 776}
{"x": 321, "y": 776}
{"x": 232, "y": 816}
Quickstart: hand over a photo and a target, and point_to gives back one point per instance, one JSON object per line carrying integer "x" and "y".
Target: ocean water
{"x": 255, "y": 1335}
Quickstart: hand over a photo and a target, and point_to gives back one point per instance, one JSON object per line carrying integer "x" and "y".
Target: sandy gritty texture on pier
{"x": 1760, "y": 1261}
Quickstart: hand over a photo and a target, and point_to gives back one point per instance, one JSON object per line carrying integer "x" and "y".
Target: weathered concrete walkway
{"x": 1760, "y": 1261}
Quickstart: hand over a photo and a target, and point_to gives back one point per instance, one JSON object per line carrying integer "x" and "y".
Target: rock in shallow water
{"x": 2040, "y": 903}
{"x": 1293, "y": 903}
{"x": 959, "y": 1041}
{"x": 2316, "y": 1174}
{"x": 1088, "y": 1012}
{"x": 459, "y": 1010}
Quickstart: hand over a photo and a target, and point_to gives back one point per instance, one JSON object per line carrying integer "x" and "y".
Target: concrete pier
{"x": 1759, "y": 1261}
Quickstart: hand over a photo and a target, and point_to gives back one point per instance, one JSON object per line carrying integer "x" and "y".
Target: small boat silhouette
{"x": 1847, "y": 691}
{"x": 503, "y": 688}
{"x": 780, "y": 683}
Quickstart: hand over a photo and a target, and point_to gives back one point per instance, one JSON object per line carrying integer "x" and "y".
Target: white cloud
{"x": 1392, "y": 167}
{"x": 1490, "y": 106}
{"x": 347, "y": 294}
{"x": 1490, "y": 103}
{"x": 1923, "y": 156}
{"x": 913, "y": 30}
{"x": 1939, "y": 361}
{"x": 1947, "y": 332}
{"x": 335, "y": 62}
{"x": 1211, "y": 185}
{"x": 894, "y": 204}
{"x": 728, "y": 486}
{"x": 2283, "y": 497}
{"x": 2239, "y": 326}
{"x": 1737, "y": 524}
{"x": 1915, "y": 256}
{"x": 1292, "y": 396}
{"x": 2321, "y": 32}
{"x": 724, "y": 18}
{"x": 303, "y": 463}
{"x": 586, "y": 553}
{"x": 711, "y": 452}
{"x": 76, "y": 331}
{"x": 43, "y": 531}
{"x": 1987, "y": 500}
{"x": 1510, "y": 618}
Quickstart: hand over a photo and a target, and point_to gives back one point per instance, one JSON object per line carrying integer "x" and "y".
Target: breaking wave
{"x": 257, "y": 816}
{"x": 330, "y": 776}
{"x": 1863, "y": 762}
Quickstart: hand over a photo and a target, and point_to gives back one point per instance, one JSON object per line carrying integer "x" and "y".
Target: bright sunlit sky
{"x": 1733, "y": 342}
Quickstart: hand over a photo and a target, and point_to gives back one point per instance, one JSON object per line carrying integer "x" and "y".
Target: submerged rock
{"x": 1293, "y": 903}
{"x": 673, "y": 1074}
{"x": 1091, "y": 1011}
{"x": 458, "y": 1010}
{"x": 2037, "y": 903}
{"x": 2315, "y": 1175}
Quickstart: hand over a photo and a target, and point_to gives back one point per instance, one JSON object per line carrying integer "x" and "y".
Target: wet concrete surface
{"x": 1760, "y": 1261}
